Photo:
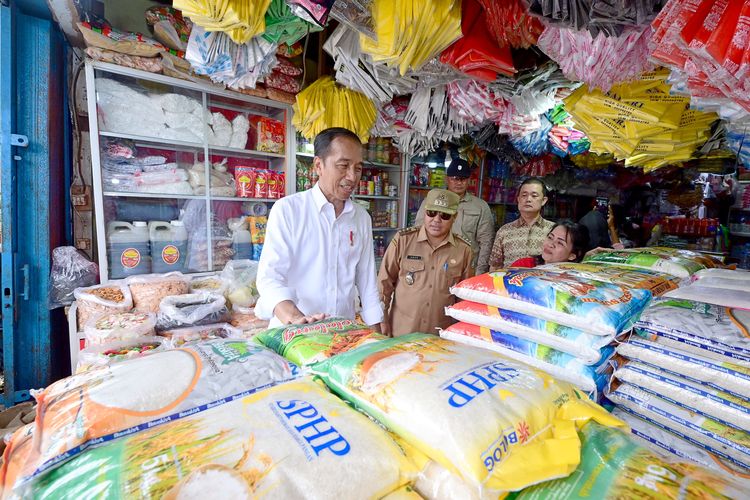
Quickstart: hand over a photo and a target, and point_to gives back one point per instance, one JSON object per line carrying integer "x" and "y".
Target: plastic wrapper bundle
{"x": 95, "y": 300}
{"x": 540, "y": 166}
{"x": 324, "y": 104}
{"x": 309, "y": 344}
{"x": 511, "y": 24}
{"x": 151, "y": 64}
{"x": 659, "y": 259}
{"x": 471, "y": 54}
{"x": 535, "y": 143}
{"x": 220, "y": 181}
{"x": 425, "y": 389}
{"x": 178, "y": 337}
{"x": 594, "y": 306}
{"x": 237, "y": 66}
{"x": 563, "y": 136}
{"x": 707, "y": 41}
{"x": 110, "y": 327}
{"x": 674, "y": 447}
{"x": 726, "y": 442}
{"x": 475, "y": 102}
{"x": 640, "y": 122}
{"x": 488, "y": 139}
{"x": 239, "y": 277}
{"x": 592, "y": 161}
{"x": 70, "y": 270}
{"x": 283, "y": 26}
{"x": 148, "y": 290}
{"x": 607, "y": 16}
{"x": 191, "y": 309}
{"x": 313, "y": 11}
{"x": 355, "y": 14}
{"x": 411, "y": 32}
{"x": 717, "y": 332}
{"x": 102, "y": 35}
{"x": 95, "y": 407}
{"x": 240, "y": 20}
{"x": 117, "y": 351}
{"x": 591, "y": 379}
{"x": 290, "y": 441}
{"x": 169, "y": 27}
{"x": 614, "y": 465}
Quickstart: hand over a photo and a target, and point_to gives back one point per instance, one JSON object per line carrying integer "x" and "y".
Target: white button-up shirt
{"x": 315, "y": 259}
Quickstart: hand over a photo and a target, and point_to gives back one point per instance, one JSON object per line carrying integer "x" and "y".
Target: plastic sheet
{"x": 475, "y": 102}
{"x": 355, "y": 14}
{"x": 241, "y": 20}
{"x": 191, "y": 309}
{"x": 511, "y": 24}
{"x": 608, "y": 16}
{"x": 70, "y": 270}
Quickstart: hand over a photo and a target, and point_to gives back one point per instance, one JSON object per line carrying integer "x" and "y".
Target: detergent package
{"x": 498, "y": 424}
{"x": 294, "y": 440}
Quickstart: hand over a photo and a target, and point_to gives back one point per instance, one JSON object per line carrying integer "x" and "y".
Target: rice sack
{"x": 727, "y": 442}
{"x": 98, "y": 405}
{"x": 736, "y": 279}
{"x": 655, "y": 282}
{"x": 720, "y": 296}
{"x": 558, "y": 364}
{"x": 723, "y": 376}
{"x": 614, "y": 466}
{"x": 716, "y": 332}
{"x": 116, "y": 352}
{"x": 662, "y": 260}
{"x": 676, "y": 448}
{"x": 589, "y": 305}
{"x": 563, "y": 338}
{"x": 315, "y": 342}
{"x": 496, "y": 423}
{"x": 295, "y": 440}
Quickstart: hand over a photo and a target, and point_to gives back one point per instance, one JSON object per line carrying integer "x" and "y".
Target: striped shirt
{"x": 518, "y": 239}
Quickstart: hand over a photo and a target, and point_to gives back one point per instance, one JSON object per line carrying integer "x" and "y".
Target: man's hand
{"x": 288, "y": 314}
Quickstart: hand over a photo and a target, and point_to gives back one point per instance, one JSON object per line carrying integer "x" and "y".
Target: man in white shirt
{"x": 319, "y": 244}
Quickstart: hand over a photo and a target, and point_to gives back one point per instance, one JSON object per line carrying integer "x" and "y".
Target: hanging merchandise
{"x": 312, "y": 11}
{"x": 472, "y": 54}
{"x": 592, "y": 161}
{"x": 355, "y": 14}
{"x": 411, "y": 32}
{"x": 475, "y": 102}
{"x": 534, "y": 143}
{"x": 640, "y": 122}
{"x": 707, "y": 41}
{"x": 169, "y": 27}
{"x": 325, "y": 104}
{"x": 511, "y": 24}
{"x": 283, "y": 26}
{"x": 608, "y": 16}
{"x": 565, "y": 139}
{"x": 598, "y": 61}
{"x": 488, "y": 139}
{"x": 238, "y": 66}
{"x": 539, "y": 166}
{"x": 241, "y": 20}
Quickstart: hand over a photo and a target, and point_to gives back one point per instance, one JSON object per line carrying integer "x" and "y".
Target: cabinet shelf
{"x": 384, "y": 229}
{"x": 422, "y": 188}
{"x": 739, "y": 233}
{"x": 374, "y": 197}
{"x": 367, "y": 163}
{"x": 162, "y": 196}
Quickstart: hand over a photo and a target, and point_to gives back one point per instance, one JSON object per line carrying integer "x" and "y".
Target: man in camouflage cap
{"x": 419, "y": 267}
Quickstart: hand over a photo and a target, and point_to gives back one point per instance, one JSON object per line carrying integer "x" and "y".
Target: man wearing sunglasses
{"x": 474, "y": 219}
{"x": 419, "y": 267}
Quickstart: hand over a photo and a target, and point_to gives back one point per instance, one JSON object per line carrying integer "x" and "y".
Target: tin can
{"x": 362, "y": 188}
{"x": 371, "y": 188}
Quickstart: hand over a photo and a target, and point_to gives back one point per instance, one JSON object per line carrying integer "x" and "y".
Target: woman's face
{"x": 558, "y": 247}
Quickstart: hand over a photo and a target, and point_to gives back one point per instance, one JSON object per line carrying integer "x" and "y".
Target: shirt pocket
{"x": 452, "y": 275}
{"x": 470, "y": 224}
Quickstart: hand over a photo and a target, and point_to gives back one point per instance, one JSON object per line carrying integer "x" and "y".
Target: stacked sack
{"x": 684, "y": 383}
{"x": 560, "y": 318}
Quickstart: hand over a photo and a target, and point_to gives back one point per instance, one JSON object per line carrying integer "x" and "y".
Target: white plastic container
{"x": 241, "y": 239}
{"x": 168, "y": 246}
{"x": 128, "y": 249}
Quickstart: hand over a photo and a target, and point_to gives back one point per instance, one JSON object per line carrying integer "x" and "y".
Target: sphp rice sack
{"x": 731, "y": 443}
{"x": 558, "y": 364}
{"x": 614, "y": 466}
{"x": 103, "y": 403}
{"x": 657, "y": 439}
{"x": 655, "y": 282}
{"x": 563, "y": 338}
{"x": 701, "y": 399}
{"x": 589, "y": 305}
{"x": 498, "y": 424}
{"x": 726, "y": 377}
{"x": 681, "y": 266}
{"x": 294, "y": 440}
{"x": 312, "y": 343}
{"x": 716, "y": 332}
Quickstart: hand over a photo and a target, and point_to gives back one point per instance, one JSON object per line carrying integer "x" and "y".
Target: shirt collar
{"x": 422, "y": 236}
{"x": 321, "y": 201}
{"x": 539, "y": 221}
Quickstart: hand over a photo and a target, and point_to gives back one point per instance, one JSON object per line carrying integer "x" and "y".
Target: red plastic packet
{"x": 261, "y": 184}
{"x": 273, "y": 186}
{"x": 281, "y": 184}
{"x": 244, "y": 179}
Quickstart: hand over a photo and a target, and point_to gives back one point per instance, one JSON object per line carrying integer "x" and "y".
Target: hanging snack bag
{"x": 244, "y": 181}
{"x": 96, "y": 300}
{"x": 498, "y": 424}
{"x": 148, "y": 290}
{"x": 94, "y": 407}
{"x": 110, "y": 327}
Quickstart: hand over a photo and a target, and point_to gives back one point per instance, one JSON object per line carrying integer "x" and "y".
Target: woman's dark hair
{"x": 324, "y": 139}
{"x": 578, "y": 235}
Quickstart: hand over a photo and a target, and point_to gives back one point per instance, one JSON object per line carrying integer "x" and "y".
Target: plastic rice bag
{"x": 732, "y": 443}
{"x": 562, "y": 366}
{"x": 578, "y": 343}
{"x": 70, "y": 270}
{"x": 294, "y": 440}
{"x": 426, "y": 389}
{"x": 97, "y": 406}
{"x": 213, "y": 284}
{"x": 114, "y": 352}
{"x": 109, "y": 327}
{"x": 655, "y": 282}
{"x": 191, "y": 309}
{"x": 315, "y": 342}
{"x": 589, "y": 305}
{"x": 720, "y": 296}
{"x": 615, "y": 466}
{"x": 101, "y": 299}
{"x": 148, "y": 290}
{"x": 725, "y": 277}
{"x": 650, "y": 260}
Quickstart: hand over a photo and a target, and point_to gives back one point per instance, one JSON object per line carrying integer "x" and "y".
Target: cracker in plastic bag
{"x": 117, "y": 351}
{"x": 100, "y": 299}
{"x": 148, "y": 290}
{"x": 110, "y": 327}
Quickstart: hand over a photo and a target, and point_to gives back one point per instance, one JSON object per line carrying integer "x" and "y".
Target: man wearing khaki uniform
{"x": 419, "y": 267}
{"x": 474, "y": 219}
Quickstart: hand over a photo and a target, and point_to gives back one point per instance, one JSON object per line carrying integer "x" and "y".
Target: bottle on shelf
{"x": 128, "y": 249}
{"x": 169, "y": 241}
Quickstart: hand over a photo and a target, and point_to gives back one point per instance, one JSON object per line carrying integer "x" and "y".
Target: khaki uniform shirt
{"x": 414, "y": 279}
{"x": 475, "y": 222}
{"x": 518, "y": 239}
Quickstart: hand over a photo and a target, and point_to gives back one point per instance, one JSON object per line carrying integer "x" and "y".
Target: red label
{"x": 130, "y": 258}
{"x": 170, "y": 254}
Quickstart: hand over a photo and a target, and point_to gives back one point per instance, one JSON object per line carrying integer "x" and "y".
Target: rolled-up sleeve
{"x": 274, "y": 262}
{"x": 372, "y": 311}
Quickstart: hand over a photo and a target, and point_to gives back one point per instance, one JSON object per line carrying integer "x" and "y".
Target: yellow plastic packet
{"x": 240, "y": 19}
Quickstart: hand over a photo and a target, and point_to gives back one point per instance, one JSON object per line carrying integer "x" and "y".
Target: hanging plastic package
{"x": 425, "y": 389}
{"x": 511, "y": 24}
{"x": 313, "y": 11}
{"x": 282, "y": 26}
{"x": 241, "y": 20}
{"x": 70, "y": 270}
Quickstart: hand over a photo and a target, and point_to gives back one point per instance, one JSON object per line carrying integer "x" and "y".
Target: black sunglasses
{"x": 435, "y": 213}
